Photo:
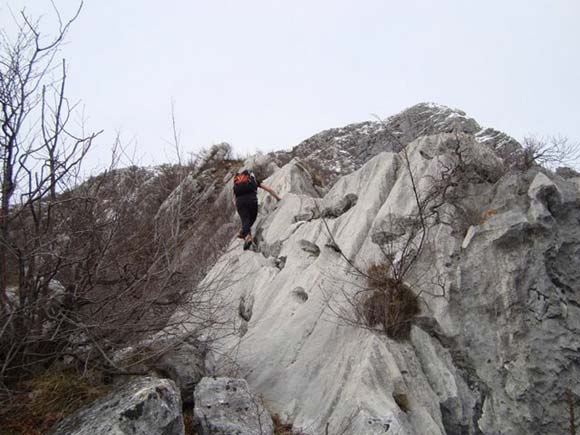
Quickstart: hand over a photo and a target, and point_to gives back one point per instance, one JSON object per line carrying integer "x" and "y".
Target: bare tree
{"x": 41, "y": 159}
{"x": 38, "y": 151}
{"x": 551, "y": 152}
{"x": 90, "y": 267}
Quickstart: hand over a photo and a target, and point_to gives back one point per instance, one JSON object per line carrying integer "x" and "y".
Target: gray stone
{"x": 226, "y": 406}
{"x": 308, "y": 216}
{"x": 300, "y": 294}
{"x": 245, "y": 307}
{"x": 145, "y": 406}
{"x": 181, "y": 359}
{"x": 183, "y": 363}
{"x": 566, "y": 172}
{"x": 340, "y": 207}
{"x": 309, "y": 247}
{"x": 272, "y": 250}
{"x": 280, "y": 262}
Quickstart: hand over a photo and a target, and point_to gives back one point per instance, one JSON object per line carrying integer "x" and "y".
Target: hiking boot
{"x": 248, "y": 242}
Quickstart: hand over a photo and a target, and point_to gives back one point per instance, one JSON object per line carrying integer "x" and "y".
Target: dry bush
{"x": 487, "y": 214}
{"x": 549, "y": 152}
{"x": 99, "y": 268}
{"x": 115, "y": 272}
{"x": 391, "y": 305}
{"x": 321, "y": 177}
{"x": 89, "y": 268}
{"x": 189, "y": 422}
{"x": 281, "y": 428}
{"x": 571, "y": 411}
{"x": 46, "y": 399}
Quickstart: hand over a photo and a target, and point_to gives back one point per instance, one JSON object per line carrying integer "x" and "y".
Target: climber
{"x": 246, "y": 201}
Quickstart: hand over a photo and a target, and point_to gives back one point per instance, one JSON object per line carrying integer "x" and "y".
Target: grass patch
{"x": 47, "y": 399}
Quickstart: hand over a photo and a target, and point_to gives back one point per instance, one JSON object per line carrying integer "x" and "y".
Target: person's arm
{"x": 270, "y": 191}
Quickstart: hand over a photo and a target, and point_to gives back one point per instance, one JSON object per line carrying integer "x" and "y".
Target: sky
{"x": 264, "y": 75}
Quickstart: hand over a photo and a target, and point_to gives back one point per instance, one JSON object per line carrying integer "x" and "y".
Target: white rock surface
{"x": 496, "y": 345}
{"x": 145, "y": 406}
{"x": 226, "y": 406}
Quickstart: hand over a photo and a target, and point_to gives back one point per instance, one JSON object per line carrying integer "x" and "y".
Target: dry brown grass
{"x": 321, "y": 177}
{"x": 391, "y": 304}
{"x": 189, "y": 422}
{"x": 487, "y": 214}
{"x": 571, "y": 413}
{"x": 281, "y": 428}
{"x": 47, "y": 399}
{"x": 402, "y": 401}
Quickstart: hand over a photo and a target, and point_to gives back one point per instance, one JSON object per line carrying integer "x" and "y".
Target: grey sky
{"x": 267, "y": 74}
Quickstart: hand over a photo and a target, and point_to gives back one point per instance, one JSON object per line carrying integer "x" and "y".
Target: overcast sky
{"x": 267, "y": 74}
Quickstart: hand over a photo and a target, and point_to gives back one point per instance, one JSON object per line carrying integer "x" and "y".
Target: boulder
{"x": 144, "y": 406}
{"x": 184, "y": 364}
{"x": 226, "y": 406}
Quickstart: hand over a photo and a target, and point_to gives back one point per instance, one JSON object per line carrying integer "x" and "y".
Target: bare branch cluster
{"x": 550, "y": 152}
{"x": 388, "y": 297}
{"x": 89, "y": 268}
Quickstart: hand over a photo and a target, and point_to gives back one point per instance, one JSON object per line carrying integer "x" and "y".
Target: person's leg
{"x": 244, "y": 213}
{"x": 252, "y": 212}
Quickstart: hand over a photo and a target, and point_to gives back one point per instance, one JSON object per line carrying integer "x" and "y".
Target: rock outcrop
{"x": 441, "y": 207}
{"x": 145, "y": 406}
{"x": 336, "y": 152}
{"x": 182, "y": 361}
{"x": 494, "y": 265}
{"x": 225, "y": 406}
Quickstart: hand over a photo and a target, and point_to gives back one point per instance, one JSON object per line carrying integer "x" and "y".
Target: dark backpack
{"x": 244, "y": 183}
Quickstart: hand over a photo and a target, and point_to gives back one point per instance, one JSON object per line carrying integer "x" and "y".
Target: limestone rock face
{"x": 495, "y": 266}
{"x": 145, "y": 406}
{"x": 225, "y": 406}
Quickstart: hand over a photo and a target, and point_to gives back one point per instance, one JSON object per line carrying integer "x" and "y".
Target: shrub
{"x": 281, "y": 428}
{"x": 391, "y": 304}
{"x": 321, "y": 176}
{"x": 189, "y": 422}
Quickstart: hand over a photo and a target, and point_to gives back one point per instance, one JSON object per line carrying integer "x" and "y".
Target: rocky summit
{"x": 425, "y": 284}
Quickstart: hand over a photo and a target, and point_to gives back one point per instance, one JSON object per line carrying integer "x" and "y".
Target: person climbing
{"x": 246, "y": 200}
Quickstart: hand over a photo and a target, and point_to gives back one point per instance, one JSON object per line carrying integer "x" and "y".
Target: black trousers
{"x": 248, "y": 211}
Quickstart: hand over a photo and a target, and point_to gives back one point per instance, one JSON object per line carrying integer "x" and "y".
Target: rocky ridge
{"x": 338, "y": 151}
{"x": 494, "y": 349}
